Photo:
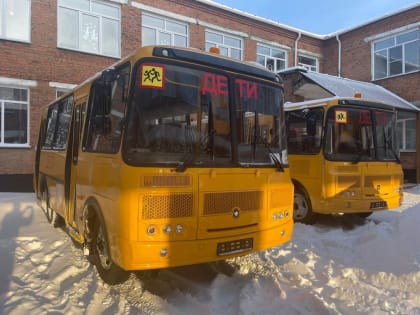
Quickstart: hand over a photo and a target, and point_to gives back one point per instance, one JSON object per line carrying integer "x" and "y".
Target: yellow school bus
{"x": 343, "y": 157}
{"x": 169, "y": 157}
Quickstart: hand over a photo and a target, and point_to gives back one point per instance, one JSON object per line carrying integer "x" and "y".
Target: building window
{"x": 61, "y": 92}
{"x": 406, "y": 131}
{"x": 228, "y": 45}
{"x": 272, "y": 58}
{"x": 162, "y": 31}
{"x": 398, "y": 54}
{"x": 14, "y": 111}
{"x": 308, "y": 62}
{"x": 15, "y": 20}
{"x": 89, "y": 26}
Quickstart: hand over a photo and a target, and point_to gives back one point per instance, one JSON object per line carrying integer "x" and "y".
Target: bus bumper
{"x": 156, "y": 255}
{"x": 337, "y": 205}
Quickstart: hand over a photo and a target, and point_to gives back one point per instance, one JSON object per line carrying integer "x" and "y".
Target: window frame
{"x": 164, "y": 30}
{"x": 307, "y": 66}
{"x": 3, "y": 22}
{"x": 276, "y": 59}
{"x": 96, "y": 141}
{"x": 90, "y": 13}
{"x": 209, "y": 43}
{"x": 402, "y": 123}
{"x": 28, "y": 117}
{"x": 387, "y": 49}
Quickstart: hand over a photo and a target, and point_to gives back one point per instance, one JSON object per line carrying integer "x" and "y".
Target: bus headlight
{"x": 167, "y": 229}
{"x": 179, "y": 229}
{"x": 151, "y": 230}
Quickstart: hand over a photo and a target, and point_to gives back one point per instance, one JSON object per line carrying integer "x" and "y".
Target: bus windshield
{"x": 355, "y": 134}
{"x": 195, "y": 117}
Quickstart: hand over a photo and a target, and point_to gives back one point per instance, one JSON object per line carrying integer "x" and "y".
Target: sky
{"x": 320, "y": 17}
{"x": 341, "y": 265}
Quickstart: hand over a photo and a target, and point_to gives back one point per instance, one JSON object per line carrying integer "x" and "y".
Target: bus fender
{"x": 298, "y": 186}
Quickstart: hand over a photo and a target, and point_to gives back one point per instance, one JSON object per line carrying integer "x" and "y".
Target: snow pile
{"x": 341, "y": 265}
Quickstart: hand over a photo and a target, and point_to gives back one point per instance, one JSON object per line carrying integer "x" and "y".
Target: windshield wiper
{"x": 187, "y": 161}
{"x": 358, "y": 157}
{"x": 276, "y": 157}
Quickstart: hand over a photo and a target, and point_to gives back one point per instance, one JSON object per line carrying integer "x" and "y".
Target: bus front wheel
{"x": 302, "y": 209}
{"x": 107, "y": 269}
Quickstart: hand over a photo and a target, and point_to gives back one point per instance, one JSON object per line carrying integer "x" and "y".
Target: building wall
{"x": 356, "y": 59}
{"x": 40, "y": 61}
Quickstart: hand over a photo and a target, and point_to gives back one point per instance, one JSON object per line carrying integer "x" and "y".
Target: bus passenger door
{"x": 72, "y": 163}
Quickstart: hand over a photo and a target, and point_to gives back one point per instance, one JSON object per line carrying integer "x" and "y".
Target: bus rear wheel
{"x": 302, "y": 209}
{"x": 108, "y": 271}
{"x": 52, "y": 217}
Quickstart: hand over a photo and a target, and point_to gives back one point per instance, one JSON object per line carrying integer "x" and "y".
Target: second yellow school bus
{"x": 170, "y": 157}
{"x": 343, "y": 157}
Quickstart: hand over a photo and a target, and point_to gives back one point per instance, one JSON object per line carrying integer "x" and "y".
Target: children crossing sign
{"x": 152, "y": 76}
{"x": 341, "y": 116}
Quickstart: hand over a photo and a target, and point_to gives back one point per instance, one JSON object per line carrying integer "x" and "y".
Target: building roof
{"x": 300, "y": 31}
{"x": 320, "y": 85}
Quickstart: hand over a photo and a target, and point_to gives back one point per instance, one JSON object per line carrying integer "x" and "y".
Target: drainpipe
{"x": 296, "y": 48}
{"x": 339, "y": 55}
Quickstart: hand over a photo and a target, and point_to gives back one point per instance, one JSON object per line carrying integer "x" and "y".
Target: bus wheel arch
{"x": 98, "y": 243}
{"x": 302, "y": 206}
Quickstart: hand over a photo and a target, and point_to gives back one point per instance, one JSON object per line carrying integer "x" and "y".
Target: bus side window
{"x": 107, "y": 116}
{"x": 57, "y": 125}
{"x": 304, "y": 131}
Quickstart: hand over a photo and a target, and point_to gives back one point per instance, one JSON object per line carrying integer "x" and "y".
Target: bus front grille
{"x": 167, "y": 181}
{"x": 220, "y": 203}
{"x": 167, "y": 206}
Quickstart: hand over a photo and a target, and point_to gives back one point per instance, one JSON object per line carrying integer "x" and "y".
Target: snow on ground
{"x": 341, "y": 265}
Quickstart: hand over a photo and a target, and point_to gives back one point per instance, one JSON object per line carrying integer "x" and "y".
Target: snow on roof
{"x": 343, "y": 87}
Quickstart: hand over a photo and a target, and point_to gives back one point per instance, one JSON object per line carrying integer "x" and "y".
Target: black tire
{"x": 108, "y": 271}
{"x": 44, "y": 199}
{"x": 302, "y": 208}
{"x": 50, "y": 213}
{"x": 52, "y": 217}
{"x": 45, "y": 205}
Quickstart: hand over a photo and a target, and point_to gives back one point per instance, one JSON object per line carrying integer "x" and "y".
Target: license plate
{"x": 378, "y": 205}
{"x": 232, "y": 247}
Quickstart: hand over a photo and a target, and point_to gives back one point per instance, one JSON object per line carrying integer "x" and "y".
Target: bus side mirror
{"x": 108, "y": 78}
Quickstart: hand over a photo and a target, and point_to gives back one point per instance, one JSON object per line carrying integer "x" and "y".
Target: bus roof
{"x": 316, "y": 85}
{"x": 288, "y": 106}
